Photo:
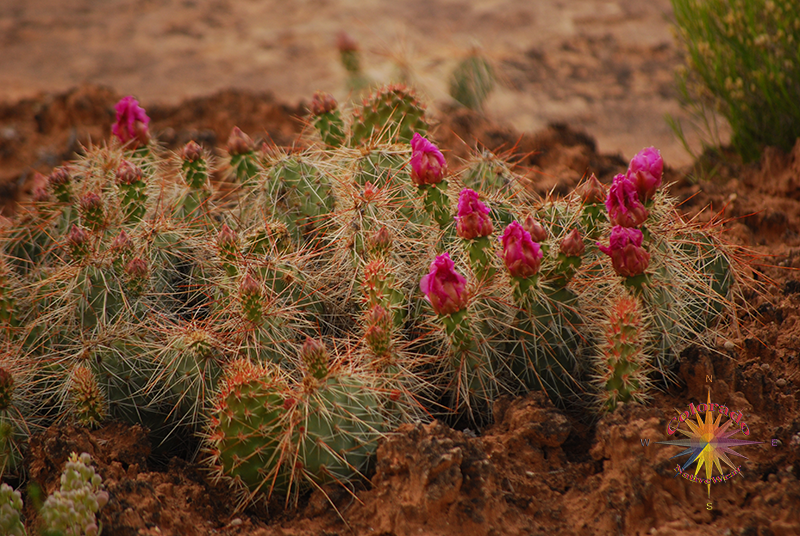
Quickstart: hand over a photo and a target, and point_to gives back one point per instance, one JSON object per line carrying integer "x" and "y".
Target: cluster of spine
{"x": 623, "y": 364}
{"x": 133, "y": 289}
{"x": 69, "y": 511}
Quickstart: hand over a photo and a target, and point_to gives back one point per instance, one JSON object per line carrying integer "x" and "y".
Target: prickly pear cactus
{"x": 135, "y": 287}
{"x": 390, "y": 115}
{"x": 472, "y": 81}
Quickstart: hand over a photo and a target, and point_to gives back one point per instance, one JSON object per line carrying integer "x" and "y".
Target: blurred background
{"x": 603, "y": 66}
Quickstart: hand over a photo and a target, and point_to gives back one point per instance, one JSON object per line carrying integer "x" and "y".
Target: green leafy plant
{"x": 742, "y": 63}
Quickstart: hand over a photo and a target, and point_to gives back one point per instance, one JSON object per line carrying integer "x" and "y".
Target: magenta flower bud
{"x": 646, "y": 171}
{"x": 137, "y": 268}
{"x": 250, "y": 286}
{"x": 40, "y": 195}
{"x": 346, "y": 42}
{"x": 131, "y": 123}
{"x": 623, "y": 204}
{"x": 192, "y": 152}
{"x": 521, "y": 254}
{"x": 239, "y": 143}
{"x": 128, "y": 173}
{"x": 322, "y": 103}
{"x": 428, "y": 165}
{"x": 77, "y": 237}
{"x": 535, "y": 229}
{"x": 122, "y": 242}
{"x": 473, "y": 219}
{"x": 58, "y": 178}
{"x": 226, "y": 236}
{"x": 444, "y": 288}
{"x": 572, "y": 245}
{"x": 592, "y": 191}
{"x": 628, "y": 256}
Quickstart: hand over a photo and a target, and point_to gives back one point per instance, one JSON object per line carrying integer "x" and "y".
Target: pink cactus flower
{"x": 473, "y": 219}
{"x": 623, "y": 204}
{"x": 628, "y": 256}
{"x": 131, "y": 123}
{"x": 521, "y": 254}
{"x": 428, "y": 165}
{"x": 444, "y": 288}
{"x": 646, "y": 171}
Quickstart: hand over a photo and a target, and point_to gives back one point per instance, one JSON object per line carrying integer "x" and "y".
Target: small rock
{"x": 235, "y": 522}
{"x": 729, "y": 345}
{"x": 781, "y": 382}
{"x": 764, "y": 367}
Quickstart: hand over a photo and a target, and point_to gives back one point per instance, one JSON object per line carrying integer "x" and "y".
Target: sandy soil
{"x": 606, "y": 66}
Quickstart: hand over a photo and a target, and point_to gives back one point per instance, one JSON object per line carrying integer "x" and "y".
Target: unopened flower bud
{"x": 137, "y": 268}
{"x": 315, "y": 357}
{"x": 522, "y": 256}
{"x": 226, "y": 237}
{"x": 628, "y": 256}
{"x": 444, "y": 288}
{"x": 381, "y": 240}
{"x": 535, "y": 229}
{"x": 192, "y": 152}
{"x": 59, "y": 177}
{"x": 77, "y": 237}
{"x": 239, "y": 143}
{"x": 428, "y": 165}
{"x": 623, "y": 204}
{"x": 592, "y": 191}
{"x": 646, "y": 171}
{"x": 346, "y": 42}
{"x": 40, "y": 195}
{"x": 122, "y": 242}
{"x": 128, "y": 173}
{"x": 322, "y": 103}
{"x": 378, "y": 332}
{"x": 250, "y": 286}
{"x": 473, "y": 219}
{"x": 572, "y": 245}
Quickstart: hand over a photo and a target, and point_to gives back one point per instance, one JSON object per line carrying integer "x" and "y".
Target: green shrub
{"x": 743, "y": 63}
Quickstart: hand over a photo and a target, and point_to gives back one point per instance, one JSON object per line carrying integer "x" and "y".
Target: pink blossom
{"x": 444, "y": 288}
{"x": 520, "y": 253}
{"x": 628, "y": 256}
{"x": 646, "y": 171}
{"x": 623, "y": 204}
{"x": 427, "y": 162}
{"x": 131, "y": 123}
{"x": 473, "y": 219}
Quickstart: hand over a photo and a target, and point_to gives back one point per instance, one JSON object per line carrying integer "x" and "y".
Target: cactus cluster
{"x": 69, "y": 511}
{"x": 334, "y": 292}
